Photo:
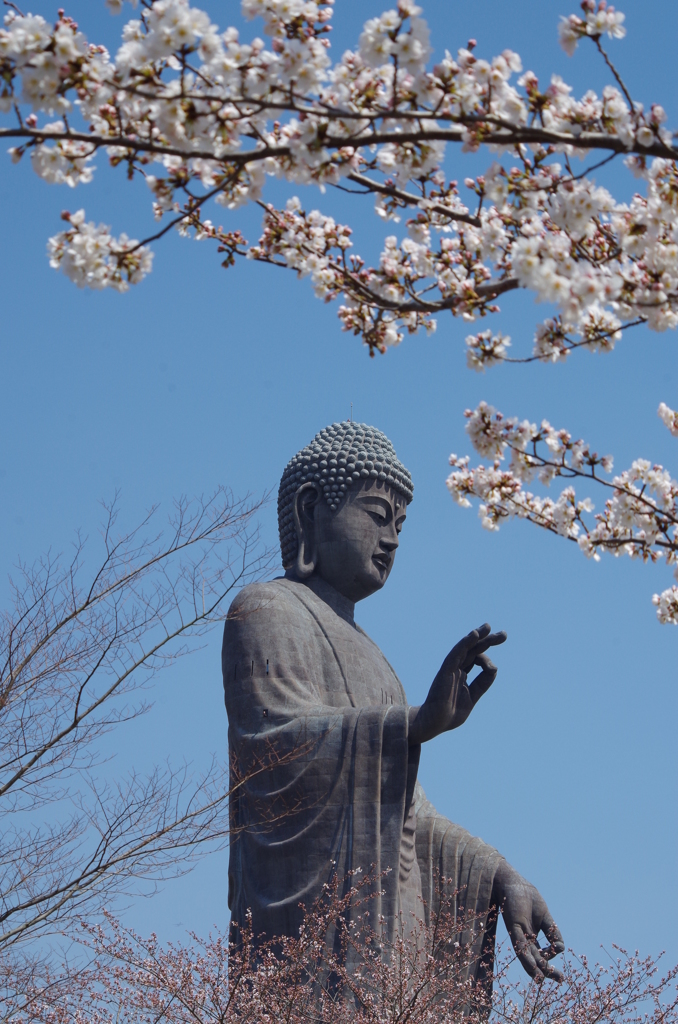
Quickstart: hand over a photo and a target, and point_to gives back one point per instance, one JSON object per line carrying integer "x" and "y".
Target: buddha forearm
{"x": 503, "y": 877}
{"x": 413, "y": 730}
{"x": 424, "y": 723}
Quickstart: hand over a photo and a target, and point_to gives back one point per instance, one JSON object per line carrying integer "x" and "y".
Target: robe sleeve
{"x": 447, "y": 851}
{"x": 318, "y": 786}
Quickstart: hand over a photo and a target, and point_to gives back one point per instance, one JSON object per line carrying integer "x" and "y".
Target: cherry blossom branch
{"x": 506, "y": 135}
{"x": 221, "y": 117}
{"x": 616, "y": 74}
{"x": 640, "y": 519}
{"x": 134, "y": 145}
{"x": 408, "y": 199}
{"x": 552, "y": 343}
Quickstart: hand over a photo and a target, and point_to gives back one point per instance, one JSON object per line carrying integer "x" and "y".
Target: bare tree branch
{"x": 76, "y": 653}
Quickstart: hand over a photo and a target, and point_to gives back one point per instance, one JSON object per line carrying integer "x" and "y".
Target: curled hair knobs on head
{"x": 337, "y": 457}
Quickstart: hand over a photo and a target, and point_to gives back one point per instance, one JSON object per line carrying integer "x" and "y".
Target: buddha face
{"x": 352, "y": 548}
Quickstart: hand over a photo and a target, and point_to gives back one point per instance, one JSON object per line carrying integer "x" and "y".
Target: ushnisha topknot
{"x": 338, "y": 456}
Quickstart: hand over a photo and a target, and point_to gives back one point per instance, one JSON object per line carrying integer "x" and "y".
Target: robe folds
{"x": 325, "y": 780}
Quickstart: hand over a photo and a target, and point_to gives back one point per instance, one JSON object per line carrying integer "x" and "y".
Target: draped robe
{"x": 302, "y": 679}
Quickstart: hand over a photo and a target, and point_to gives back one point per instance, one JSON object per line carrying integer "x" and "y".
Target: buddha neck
{"x": 327, "y": 593}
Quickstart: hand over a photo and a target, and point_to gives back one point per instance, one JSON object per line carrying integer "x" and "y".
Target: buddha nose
{"x": 389, "y": 538}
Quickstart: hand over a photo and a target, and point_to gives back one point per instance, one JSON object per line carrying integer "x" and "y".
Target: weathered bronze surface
{"x": 301, "y": 676}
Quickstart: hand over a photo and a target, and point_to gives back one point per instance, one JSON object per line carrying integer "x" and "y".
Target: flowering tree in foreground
{"x": 125, "y": 978}
{"x": 215, "y": 117}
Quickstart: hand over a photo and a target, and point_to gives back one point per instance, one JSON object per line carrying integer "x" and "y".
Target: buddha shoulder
{"x": 275, "y": 603}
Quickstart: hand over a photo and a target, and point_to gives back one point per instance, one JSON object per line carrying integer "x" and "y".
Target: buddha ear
{"x": 303, "y": 505}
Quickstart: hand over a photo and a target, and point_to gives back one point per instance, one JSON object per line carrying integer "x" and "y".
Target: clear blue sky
{"x": 202, "y": 376}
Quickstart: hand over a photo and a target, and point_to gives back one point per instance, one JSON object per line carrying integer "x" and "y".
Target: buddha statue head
{"x": 341, "y": 505}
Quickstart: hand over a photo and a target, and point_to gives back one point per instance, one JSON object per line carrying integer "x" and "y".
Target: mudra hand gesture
{"x": 451, "y": 699}
{"x": 525, "y": 915}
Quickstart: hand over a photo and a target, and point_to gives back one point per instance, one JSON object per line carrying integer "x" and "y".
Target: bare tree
{"x": 76, "y": 652}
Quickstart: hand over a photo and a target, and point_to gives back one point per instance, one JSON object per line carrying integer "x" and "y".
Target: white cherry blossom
{"x": 669, "y": 418}
{"x": 92, "y": 258}
{"x": 639, "y": 518}
{"x": 667, "y": 606}
{"x": 217, "y": 111}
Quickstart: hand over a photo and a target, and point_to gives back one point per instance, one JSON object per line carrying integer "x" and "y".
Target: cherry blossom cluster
{"x": 312, "y": 244}
{"x": 639, "y": 519}
{"x": 486, "y": 349}
{"x": 91, "y": 257}
{"x": 598, "y": 20}
{"x": 202, "y": 115}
